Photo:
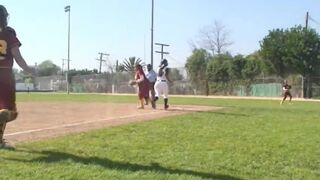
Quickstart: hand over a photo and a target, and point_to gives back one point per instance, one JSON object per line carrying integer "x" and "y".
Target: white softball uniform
{"x": 161, "y": 85}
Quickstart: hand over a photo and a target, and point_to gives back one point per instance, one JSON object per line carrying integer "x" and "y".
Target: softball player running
{"x": 161, "y": 85}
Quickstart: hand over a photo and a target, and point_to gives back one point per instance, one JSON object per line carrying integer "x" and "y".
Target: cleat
{"x": 153, "y": 105}
{"x": 5, "y": 145}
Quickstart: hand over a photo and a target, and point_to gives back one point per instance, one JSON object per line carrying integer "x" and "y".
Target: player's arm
{"x": 140, "y": 79}
{"x": 285, "y": 88}
{"x": 160, "y": 71}
{"x": 19, "y": 59}
{"x": 167, "y": 75}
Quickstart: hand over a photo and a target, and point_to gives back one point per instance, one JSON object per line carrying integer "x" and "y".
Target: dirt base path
{"x": 41, "y": 120}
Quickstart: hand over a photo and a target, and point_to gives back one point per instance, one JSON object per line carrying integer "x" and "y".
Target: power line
{"x": 308, "y": 17}
{"x": 313, "y": 20}
{"x": 176, "y": 61}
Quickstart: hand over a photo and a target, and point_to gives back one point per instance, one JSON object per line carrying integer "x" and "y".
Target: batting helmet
{"x": 164, "y": 63}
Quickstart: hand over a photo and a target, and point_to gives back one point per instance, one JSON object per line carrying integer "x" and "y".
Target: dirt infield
{"x": 40, "y": 120}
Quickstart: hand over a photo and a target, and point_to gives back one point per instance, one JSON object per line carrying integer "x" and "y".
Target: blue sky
{"x": 122, "y": 27}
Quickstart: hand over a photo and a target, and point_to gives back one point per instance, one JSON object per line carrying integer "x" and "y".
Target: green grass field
{"x": 248, "y": 139}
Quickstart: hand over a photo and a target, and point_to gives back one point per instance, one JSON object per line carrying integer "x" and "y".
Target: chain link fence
{"x": 118, "y": 83}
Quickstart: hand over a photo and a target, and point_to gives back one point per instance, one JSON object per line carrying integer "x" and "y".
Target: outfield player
{"x": 161, "y": 85}
{"x": 9, "y": 50}
{"x": 286, "y": 92}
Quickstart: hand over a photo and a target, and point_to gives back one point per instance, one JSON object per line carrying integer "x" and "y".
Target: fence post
{"x": 302, "y": 86}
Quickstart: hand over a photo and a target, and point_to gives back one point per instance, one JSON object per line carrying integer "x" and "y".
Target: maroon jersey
{"x": 286, "y": 87}
{"x": 286, "y": 90}
{"x": 143, "y": 90}
{"x": 8, "y": 40}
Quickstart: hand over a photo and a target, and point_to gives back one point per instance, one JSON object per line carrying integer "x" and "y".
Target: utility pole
{"x": 307, "y": 20}
{"x": 101, "y": 60}
{"x": 162, "y": 52}
{"x": 63, "y": 63}
{"x": 152, "y": 12}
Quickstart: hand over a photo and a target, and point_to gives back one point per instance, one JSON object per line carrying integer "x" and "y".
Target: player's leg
{"x": 284, "y": 97}
{"x": 147, "y": 97}
{"x": 151, "y": 98}
{"x": 152, "y": 90}
{"x": 4, "y": 115}
{"x": 157, "y": 87}
{"x": 165, "y": 95}
{"x": 141, "y": 97}
{"x": 8, "y": 110}
{"x": 2, "y": 128}
{"x": 140, "y": 101}
{"x": 290, "y": 96}
{"x": 141, "y": 106}
{"x": 146, "y": 101}
{"x": 151, "y": 94}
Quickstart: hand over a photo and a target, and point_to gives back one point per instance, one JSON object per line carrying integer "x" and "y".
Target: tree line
{"x": 282, "y": 53}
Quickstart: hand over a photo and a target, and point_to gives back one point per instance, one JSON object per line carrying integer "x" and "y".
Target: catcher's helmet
{"x": 164, "y": 62}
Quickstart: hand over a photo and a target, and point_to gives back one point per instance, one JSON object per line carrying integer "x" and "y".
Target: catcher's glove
{"x": 132, "y": 82}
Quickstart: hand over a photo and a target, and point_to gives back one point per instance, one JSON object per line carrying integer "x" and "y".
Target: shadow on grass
{"x": 215, "y": 111}
{"x": 226, "y": 113}
{"x": 174, "y": 109}
{"x": 56, "y": 157}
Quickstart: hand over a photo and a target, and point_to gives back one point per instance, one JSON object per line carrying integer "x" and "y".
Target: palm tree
{"x": 129, "y": 64}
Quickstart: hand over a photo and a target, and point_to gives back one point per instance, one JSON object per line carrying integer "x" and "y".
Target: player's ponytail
{"x": 3, "y": 17}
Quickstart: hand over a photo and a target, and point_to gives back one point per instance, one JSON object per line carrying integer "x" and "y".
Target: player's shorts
{"x": 287, "y": 93}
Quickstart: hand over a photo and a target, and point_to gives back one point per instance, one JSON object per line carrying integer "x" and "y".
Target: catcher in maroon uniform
{"x": 286, "y": 92}
{"x": 143, "y": 85}
{"x": 9, "y": 50}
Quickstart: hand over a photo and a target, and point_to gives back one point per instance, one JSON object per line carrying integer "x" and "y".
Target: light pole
{"x": 67, "y": 9}
{"x": 152, "y": 9}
